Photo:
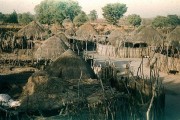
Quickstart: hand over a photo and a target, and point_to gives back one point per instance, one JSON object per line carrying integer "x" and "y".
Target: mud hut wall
{"x": 165, "y": 63}
{"x": 109, "y": 50}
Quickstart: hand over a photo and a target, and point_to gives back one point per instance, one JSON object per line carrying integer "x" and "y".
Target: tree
{"x": 93, "y": 15}
{"x": 80, "y": 19}
{"x": 25, "y": 18}
{"x": 51, "y": 11}
{"x": 12, "y": 18}
{"x": 113, "y": 12}
{"x": 134, "y": 20}
{"x": 173, "y": 20}
{"x": 2, "y": 17}
{"x": 160, "y": 21}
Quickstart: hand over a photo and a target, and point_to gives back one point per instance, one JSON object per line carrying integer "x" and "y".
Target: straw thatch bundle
{"x": 118, "y": 36}
{"x": 51, "y": 48}
{"x": 173, "y": 37}
{"x": 148, "y": 35}
{"x": 70, "y": 66}
{"x": 86, "y": 32}
{"x": 33, "y": 29}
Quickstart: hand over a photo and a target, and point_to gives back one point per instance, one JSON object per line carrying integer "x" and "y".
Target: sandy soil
{"x": 171, "y": 83}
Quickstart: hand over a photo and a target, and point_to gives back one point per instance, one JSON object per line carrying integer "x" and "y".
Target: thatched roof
{"x": 33, "y": 29}
{"x": 86, "y": 32}
{"x": 70, "y": 66}
{"x": 67, "y": 23}
{"x": 55, "y": 28}
{"x": 117, "y": 36}
{"x": 174, "y": 37}
{"x": 148, "y": 35}
{"x": 51, "y": 48}
{"x": 70, "y": 32}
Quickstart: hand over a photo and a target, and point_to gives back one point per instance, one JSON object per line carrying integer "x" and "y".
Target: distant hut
{"x": 70, "y": 32}
{"x": 149, "y": 35}
{"x": 51, "y": 48}
{"x": 86, "y": 32}
{"x": 55, "y": 28}
{"x": 67, "y": 23}
{"x": 173, "y": 38}
{"x": 118, "y": 37}
{"x": 32, "y": 31}
{"x": 70, "y": 66}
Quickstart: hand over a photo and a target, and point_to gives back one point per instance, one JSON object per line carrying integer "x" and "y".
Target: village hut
{"x": 56, "y": 28}
{"x": 32, "y": 31}
{"x": 67, "y": 23}
{"x": 51, "y": 48}
{"x": 149, "y": 35}
{"x": 86, "y": 32}
{"x": 70, "y": 32}
{"x": 173, "y": 38}
{"x": 118, "y": 37}
{"x": 70, "y": 66}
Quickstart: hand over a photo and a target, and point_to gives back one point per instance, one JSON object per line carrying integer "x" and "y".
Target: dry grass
{"x": 51, "y": 48}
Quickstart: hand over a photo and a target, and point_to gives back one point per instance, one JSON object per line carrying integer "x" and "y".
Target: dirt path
{"x": 171, "y": 83}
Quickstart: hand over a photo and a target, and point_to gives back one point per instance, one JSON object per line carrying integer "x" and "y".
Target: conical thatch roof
{"x": 70, "y": 32}
{"x": 33, "y": 29}
{"x": 51, "y": 48}
{"x": 117, "y": 36}
{"x": 86, "y": 32}
{"x": 55, "y": 28}
{"x": 149, "y": 35}
{"x": 67, "y": 23}
{"x": 173, "y": 37}
{"x": 70, "y": 66}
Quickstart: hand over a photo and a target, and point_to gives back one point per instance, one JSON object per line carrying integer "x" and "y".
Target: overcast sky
{"x": 145, "y": 8}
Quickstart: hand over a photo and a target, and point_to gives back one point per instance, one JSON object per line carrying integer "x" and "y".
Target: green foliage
{"x": 160, "y": 21}
{"x": 93, "y": 15}
{"x": 25, "y": 18}
{"x": 170, "y": 20}
{"x": 134, "y": 20}
{"x": 173, "y": 20}
{"x": 113, "y": 12}
{"x": 51, "y": 11}
{"x": 2, "y": 17}
{"x": 12, "y": 18}
{"x": 80, "y": 19}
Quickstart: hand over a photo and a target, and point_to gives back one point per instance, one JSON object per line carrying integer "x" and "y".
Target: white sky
{"x": 145, "y": 8}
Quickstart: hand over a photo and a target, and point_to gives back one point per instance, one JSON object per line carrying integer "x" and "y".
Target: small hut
{"x": 51, "y": 48}
{"x": 118, "y": 37}
{"x": 149, "y": 35}
{"x": 86, "y": 32}
{"x": 70, "y": 66}
{"x": 32, "y": 31}
{"x": 67, "y": 23}
{"x": 173, "y": 38}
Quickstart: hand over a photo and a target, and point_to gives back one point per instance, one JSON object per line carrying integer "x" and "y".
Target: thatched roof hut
{"x": 55, "y": 28}
{"x": 86, "y": 32}
{"x": 33, "y": 29}
{"x": 51, "y": 48}
{"x": 70, "y": 32}
{"x": 173, "y": 37}
{"x": 70, "y": 66}
{"x": 67, "y": 23}
{"x": 148, "y": 35}
{"x": 118, "y": 36}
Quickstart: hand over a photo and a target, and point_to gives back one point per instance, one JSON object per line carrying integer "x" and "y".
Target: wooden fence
{"x": 109, "y": 50}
